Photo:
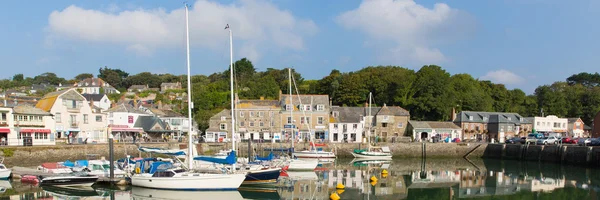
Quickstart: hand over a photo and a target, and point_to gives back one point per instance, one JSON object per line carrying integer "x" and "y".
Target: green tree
{"x": 586, "y": 79}
{"x": 114, "y": 77}
{"x": 431, "y": 99}
{"x": 83, "y": 76}
{"x": 48, "y": 78}
{"x": 18, "y": 78}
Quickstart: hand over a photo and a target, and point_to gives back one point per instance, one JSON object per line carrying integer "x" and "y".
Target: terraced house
{"x": 258, "y": 119}
{"x": 305, "y": 115}
{"x": 486, "y": 126}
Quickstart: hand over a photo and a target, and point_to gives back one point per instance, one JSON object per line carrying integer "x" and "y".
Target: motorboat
{"x": 5, "y": 172}
{"x": 100, "y": 168}
{"x": 70, "y": 192}
{"x": 68, "y": 180}
{"x": 54, "y": 168}
{"x": 164, "y": 175}
{"x": 373, "y": 153}
{"x": 314, "y": 153}
{"x": 262, "y": 176}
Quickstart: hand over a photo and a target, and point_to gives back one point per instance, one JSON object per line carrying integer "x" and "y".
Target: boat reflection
{"x": 147, "y": 193}
{"x": 4, "y": 186}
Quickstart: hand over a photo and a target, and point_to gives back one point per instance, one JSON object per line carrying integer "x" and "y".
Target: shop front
{"x": 4, "y": 136}
{"x": 124, "y": 134}
{"x": 35, "y": 136}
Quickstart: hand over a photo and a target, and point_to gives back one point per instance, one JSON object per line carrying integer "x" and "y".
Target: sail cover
{"x": 172, "y": 152}
{"x": 229, "y": 160}
{"x": 268, "y": 158}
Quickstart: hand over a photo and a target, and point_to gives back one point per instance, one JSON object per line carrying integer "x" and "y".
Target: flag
{"x": 226, "y": 27}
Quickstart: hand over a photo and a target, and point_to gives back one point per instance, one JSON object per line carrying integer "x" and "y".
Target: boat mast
{"x": 231, "y": 88}
{"x": 370, "y": 122}
{"x": 291, "y": 106}
{"x": 189, "y": 88}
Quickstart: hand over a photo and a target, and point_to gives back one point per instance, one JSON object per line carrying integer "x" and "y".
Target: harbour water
{"x": 405, "y": 179}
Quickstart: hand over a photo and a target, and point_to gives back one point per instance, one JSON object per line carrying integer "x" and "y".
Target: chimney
{"x": 159, "y": 105}
{"x": 453, "y": 114}
{"x": 135, "y": 101}
{"x": 262, "y": 98}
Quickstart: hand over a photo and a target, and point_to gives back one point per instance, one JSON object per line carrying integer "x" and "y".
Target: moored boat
{"x": 263, "y": 176}
{"x": 54, "y": 168}
{"x": 302, "y": 165}
{"x": 373, "y": 153}
{"x": 68, "y": 180}
{"x": 5, "y": 172}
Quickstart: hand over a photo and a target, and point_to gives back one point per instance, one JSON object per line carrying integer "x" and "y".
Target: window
{"x": 301, "y": 120}
{"x": 242, "y": 124}
{"x": 3, "y": 117}
{"x": 261, "y": 124}
{"x": 288, "y": 107}
{"x": 384, "y": 125}
{"x": 335, "y": 126}
{"x": 110, "y": 114}
{"x": 471, "y": 118}
{"x": 538, "y": 123}
{"x": 400, "y": 124}
{"x": 223, "y": 126}
{"x": 85, "y": 118}
{"x": 355, "y": 126}
{"x": 45, "y": 136}
{"x": 385, "y": 117}
{"x": 261, "y": 114}
{"x": 320, "y": 107}
{"x": 319, "y": 120}
{"x": 111, "y": 122}
{"x": 98, "y": 118}
{"x": 223, "y": 118}
{"x": 272, "y": 123}
{"x": 36, "y": 136}
{"x": 336, "y": 113}
{"x": 289, "y": 120}
{"x": 307, "y": 107}
{"x": 241, "y": 114}
{"x": 251, "y": 113}
{"x": 510, "y": 128}
{"x": 251, "y": 124}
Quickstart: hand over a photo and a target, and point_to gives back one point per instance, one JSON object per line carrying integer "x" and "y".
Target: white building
{"x": 549, "y": 124}
{"x": 122, "y": 119}
{"x": 74, "y": 117}
{"x": 98, "y": 100}
{"x": 94, "y": 86}
{"x": 25, "y": 125}
{"x": 347, "y": 124}
{"x": 177, "y": 122}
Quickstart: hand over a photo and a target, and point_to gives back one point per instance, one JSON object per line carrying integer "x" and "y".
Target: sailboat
{"x": 373, "y": 153}
{"x": 313, "y": 152}
{"x": 165, "y": 176}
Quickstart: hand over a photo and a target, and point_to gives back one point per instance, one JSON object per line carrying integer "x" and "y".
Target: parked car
{"x": 594, "y": 142}
{"x": 513, "y": 140}
{"x": 548, "y": 140}
{"x": 583, "y": 141}
{"x": 523, "y": 140}
{"x": 566, "y": 140}
{"x": 533, "y": 138}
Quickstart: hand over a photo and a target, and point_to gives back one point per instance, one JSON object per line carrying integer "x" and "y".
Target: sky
{"x": 519, "y": 43}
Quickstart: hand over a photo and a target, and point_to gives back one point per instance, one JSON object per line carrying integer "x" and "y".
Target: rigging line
{"x": 301, "y": 105}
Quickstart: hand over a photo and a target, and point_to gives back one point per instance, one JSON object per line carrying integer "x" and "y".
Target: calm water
{"x": 406, "y": 179}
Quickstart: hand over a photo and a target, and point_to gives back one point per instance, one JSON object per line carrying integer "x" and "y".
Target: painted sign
{"x": 289, "y": 126}
{"x": 130, "y": 119}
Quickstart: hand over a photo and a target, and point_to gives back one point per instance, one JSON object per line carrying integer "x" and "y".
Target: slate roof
{"x": 91, "y": 82}
{"x": 165, "y": 113}
{"x": 138, "y": 87}
{"x": 122, "y": 107}
{"x": 224, "y": 113}
{"x": 387, "y": 110}
{"x": 258, "y": 103}
{"x": 170, "y": 84}
{"x": 347, "y": 114}
{"x": 491, "y": 117}
{"x": 29, "y": 109}
{"x": 93, "y": 97}
{"x": 572, "y": 120}
{"x": 433, "y": 125}
{"x": 306, "y": 99}
{"x": 147, "y": 122}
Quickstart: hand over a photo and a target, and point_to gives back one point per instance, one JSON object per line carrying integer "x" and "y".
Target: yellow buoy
{"x": 373, "y": 183}
{"x": 334, "y": 196}
{"x": 384, "y": 172}
{"x": 340, "y": 186}
{"x": 340, "y": 191}
{"x": 384, "y": 175}
{"x": 373, "y": 178}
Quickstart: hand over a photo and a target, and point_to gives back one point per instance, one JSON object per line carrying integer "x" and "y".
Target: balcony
{"x": 29, "y": 123}
{"x": 74, "y": 124}
{"x": 3, "y": 123}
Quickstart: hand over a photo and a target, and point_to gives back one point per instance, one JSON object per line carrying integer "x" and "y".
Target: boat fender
{"x": 137, "y": 170}
{"x": 334, "y": 196}
{"x": 340, "y": 186}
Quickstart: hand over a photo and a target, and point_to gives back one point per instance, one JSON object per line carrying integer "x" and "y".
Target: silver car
{"x": 548, "y": 140}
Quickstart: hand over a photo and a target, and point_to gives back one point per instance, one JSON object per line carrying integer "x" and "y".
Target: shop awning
{"x": 4, "y": 130}
{"x": 126, "y": 129}
{"x": 34, "y": 130}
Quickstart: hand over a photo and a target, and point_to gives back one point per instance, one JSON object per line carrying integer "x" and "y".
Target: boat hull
{"x": 69, "y": 181}
{"x": 147, "y": 193}
{"x": 5, "y": 174}
{"x": 201, "y": 182}
{"x": 367, "y": 156}
{"x": 265, "y": 176}
{"x": 314, "y": 154}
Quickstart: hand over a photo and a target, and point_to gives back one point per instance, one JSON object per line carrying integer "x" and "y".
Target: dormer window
{"x": 336, "y": 113}
{"x": 288, "y": 107}
{"x": 508, "y": 118}
{"x": 471, "y": 118}
{"x": 320, "y": 107}
{"x": 485, "y": 119}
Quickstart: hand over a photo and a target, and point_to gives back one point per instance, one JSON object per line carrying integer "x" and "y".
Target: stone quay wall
{"x": 563, "y": 154}
{"x": 35, "y": 155}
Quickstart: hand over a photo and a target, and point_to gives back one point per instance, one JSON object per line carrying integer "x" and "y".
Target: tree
{"x": 586, "y": 79}
{"x": 48, "y": 78}
{"x": 18, "y": 78}
{"x": 432, "y": 94}
{"x": 114, "y": 77}
{"x": 83, "y": 76}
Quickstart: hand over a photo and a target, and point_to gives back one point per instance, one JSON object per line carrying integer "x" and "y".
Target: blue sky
{"x": 521, "y": 43}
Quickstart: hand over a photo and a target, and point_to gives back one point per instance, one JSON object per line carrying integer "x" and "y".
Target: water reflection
{"x": 405, "y": 179}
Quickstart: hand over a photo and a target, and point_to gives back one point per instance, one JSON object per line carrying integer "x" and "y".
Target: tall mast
{"x": 370, "y": 120}
{"x": 189, "y": 89}
{"x": 291, "y": 106}
{"x": 231, "y": 88}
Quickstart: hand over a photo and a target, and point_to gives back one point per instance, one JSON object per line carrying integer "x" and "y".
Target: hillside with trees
{"x": 429, "y": 93}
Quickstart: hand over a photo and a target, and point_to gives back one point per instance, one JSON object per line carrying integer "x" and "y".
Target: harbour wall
{"x": 36, "y": 155}
{"x": 562, "y": 154}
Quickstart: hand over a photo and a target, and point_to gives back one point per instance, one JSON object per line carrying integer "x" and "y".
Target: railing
{"x": 76, "y": 109}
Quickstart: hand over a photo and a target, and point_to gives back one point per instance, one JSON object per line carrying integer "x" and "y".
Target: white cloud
{"x": 259, "y": 23}
{"x": 405, "y": 31}
{"x": 503, "y": 76}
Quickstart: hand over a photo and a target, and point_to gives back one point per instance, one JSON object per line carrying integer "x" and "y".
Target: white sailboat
{"x": 182, "y": 179}
{"x": 372, "y": 153}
